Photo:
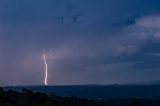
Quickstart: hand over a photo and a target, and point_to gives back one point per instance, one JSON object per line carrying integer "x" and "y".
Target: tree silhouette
{"x": 28, "y": 98}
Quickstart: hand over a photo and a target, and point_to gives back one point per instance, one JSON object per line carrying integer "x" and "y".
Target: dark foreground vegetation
{"x": 28, "y": 98}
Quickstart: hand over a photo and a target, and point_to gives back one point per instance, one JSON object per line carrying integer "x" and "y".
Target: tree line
{"x": 26, "y": 97}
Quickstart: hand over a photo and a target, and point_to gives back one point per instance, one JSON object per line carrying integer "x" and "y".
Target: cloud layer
{"x": 100, "y": 41}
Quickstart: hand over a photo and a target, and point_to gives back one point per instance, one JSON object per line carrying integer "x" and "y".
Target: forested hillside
{"x": 26, "y": 97}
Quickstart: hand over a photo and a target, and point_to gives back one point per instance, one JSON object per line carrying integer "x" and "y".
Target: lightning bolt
{"x": 46, "y": 70}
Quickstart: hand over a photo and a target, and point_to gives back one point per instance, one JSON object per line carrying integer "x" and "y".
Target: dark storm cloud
{"x": 86, "y": 41}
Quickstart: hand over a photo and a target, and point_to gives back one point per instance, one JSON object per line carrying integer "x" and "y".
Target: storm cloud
{"x": 85, "y": 41}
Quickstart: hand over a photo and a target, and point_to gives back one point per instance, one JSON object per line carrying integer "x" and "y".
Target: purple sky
{"x": 85, "y": 41}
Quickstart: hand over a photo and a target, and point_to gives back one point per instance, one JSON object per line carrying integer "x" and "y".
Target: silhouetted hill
{"x": 102, "y": 92}
{"x": 25, "y": 97}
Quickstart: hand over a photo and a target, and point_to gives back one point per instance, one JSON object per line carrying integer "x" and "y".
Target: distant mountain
{"x": 154, "y": 82}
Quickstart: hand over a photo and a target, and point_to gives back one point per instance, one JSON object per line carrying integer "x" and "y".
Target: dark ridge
{"x": 97, "y": 91}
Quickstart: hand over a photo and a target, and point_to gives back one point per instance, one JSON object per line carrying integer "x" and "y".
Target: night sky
{"x": 85, "y": 41}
